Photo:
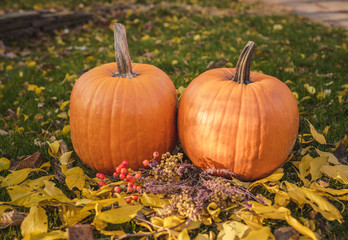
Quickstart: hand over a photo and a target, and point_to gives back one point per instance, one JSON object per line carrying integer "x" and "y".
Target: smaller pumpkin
{"x": 122, "y": 111}
{"x": 236, "y": 120}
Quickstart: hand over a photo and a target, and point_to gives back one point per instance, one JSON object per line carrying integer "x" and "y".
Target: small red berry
{"x": 134, "y": 197}
{"x": 101, "y": 183}
{"x": 118, "y": 169}
{"x": 146, "y": 163}
{"x": 130, "y": 185}
{"x": 128, "y": 200}
{"x": 131, "y": 178}
{"x": 117, "y": 189}
{"x": 115, "y": 174}
{"x": 128, "y": 178}
{"x": 155, "y": 154}
{"x": 138, "y": 175}
{"x": 129, "y": 189}
{"x": 123, "y": 170}
{"x": 122, "y": 176}
{"x": 139, "y": 188}
{"x": 97, "y": 175}
{"x": 101, "y": 176}
{"x": 125, "y": 163}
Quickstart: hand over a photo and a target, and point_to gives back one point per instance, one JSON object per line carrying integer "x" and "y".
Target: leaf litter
{"x": 176, "y": 198}
{"x": 255, "y": 211}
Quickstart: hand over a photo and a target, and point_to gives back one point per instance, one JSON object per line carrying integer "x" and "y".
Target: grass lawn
{"x": 183, "y": 39}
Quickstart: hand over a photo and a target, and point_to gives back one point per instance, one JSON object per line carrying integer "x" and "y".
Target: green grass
{"x": 182, "y": 44}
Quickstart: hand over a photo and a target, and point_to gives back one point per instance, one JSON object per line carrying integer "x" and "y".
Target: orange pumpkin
{"x": 236, "y": 120}
{"x": 122, "y": 112}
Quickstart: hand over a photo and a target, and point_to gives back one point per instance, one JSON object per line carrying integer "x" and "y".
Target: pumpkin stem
{"x": 242, "y": 74}
{"x": 124, "y": 64}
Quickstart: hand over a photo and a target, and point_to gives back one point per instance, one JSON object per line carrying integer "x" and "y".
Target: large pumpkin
{"x": 236, "y": 120}
{"x": 122, "y": 112}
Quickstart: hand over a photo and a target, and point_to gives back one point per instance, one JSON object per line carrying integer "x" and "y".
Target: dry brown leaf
{"x": 219, "y": 64}
{"x": 80, "y": 231}
{"x": 149, "y": 26}
{"x": 12, "y": 218}
{"x": 323, "y": 183}
{"x": 13, "y": 164}
{"x": 38, "y": 117}
{"x": 11, "y": 114}
{"x": 31, "y": 161}
{"x": 3, "y": 132}
{"x": 313, "y": 214}
{"x": 63, "y": 147}
{"x": 340, "y": 153}
{"x": 286, "y": 233}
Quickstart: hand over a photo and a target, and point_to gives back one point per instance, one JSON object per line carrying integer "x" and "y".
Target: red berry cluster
{"x": 122, "y": 173}
{"x": 132, "y": 187}
{"x": 155, "y": 155}
{"x": 101, "y": 177}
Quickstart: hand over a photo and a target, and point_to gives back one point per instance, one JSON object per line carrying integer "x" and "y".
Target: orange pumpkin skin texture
{"x": 116, "y": 118}
{"x": 247, "y": 129}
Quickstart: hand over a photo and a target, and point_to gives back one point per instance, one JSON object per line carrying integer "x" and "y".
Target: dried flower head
{"x": 189, "y": 188}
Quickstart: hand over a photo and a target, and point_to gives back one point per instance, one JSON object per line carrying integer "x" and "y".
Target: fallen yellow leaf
{"x": 317, "y": 136}
{"x": 310, "y": 89}
{"x": 333, "y": 194}
{"x": 35, "y": 223}
{"x": 315, "y": 166}
{"x": 63, "y": 105}
{"x": 65, "y": 158}
{"x": 75, "y": 177}
{"x": 152, "y": 200}
{"x": 307, "y": 196}
{"x": 338, "y": 172}
{"x": 119, "y": 215}
{"x": 233, "y": 230}
{"x": 281, "y": 213}
{"x": 271, "y": 183}
{"x": 331, "y": 158}
{"x": 53, "y": 149}
{"x": 282, "y": 198}
{"x": 4, "y": 164}
{"x": 263, "y": 234}
{"x": 16, "y": 177}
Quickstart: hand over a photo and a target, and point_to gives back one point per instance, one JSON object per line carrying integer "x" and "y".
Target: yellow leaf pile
{"x": 36, "y": 189}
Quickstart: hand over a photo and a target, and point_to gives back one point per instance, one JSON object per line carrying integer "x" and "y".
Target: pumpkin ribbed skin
{"x": 114, "y": 119}
{"x": 248, "y": 129}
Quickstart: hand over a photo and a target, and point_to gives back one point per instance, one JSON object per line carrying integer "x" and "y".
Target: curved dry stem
{"x": 123, "y": 60}
{"x": 242, "y": 74}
